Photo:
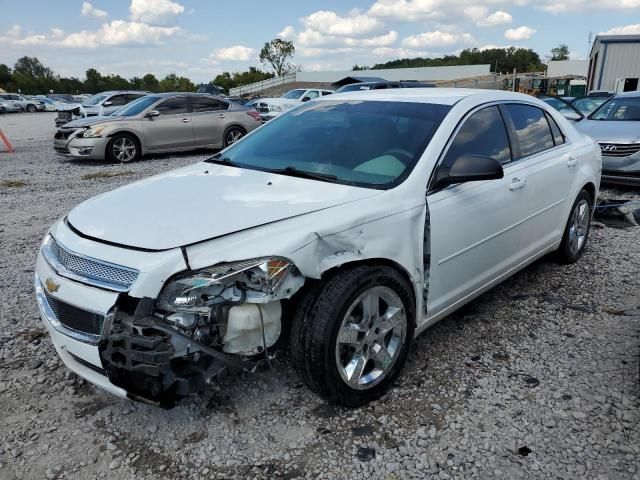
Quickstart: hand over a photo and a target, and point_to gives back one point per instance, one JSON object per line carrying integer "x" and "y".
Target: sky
{"x": 202, "y": 38}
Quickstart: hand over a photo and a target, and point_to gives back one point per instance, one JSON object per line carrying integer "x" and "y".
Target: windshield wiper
{"x": 294, "y": 172}
{"x": 221, "y": 161}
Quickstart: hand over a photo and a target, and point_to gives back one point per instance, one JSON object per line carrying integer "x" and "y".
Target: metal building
{"x": 614, "y": 63}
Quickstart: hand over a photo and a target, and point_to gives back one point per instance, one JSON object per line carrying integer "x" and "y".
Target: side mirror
{"x": 108, "y": 103}
{"x": 152, "y": 114}
{"x": 572, "y": 116}
{"x": 306, "y": 99}
{"x": 469, "y": 168}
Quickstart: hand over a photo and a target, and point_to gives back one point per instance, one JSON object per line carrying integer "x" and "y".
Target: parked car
{"x": 106, "y": 103}
{"x": 157, "y": 123}
{"x": 48, "y": 105}
{"x": 8, "y": 106}
{"x": 269, "y": 108}
{"x": 24, "y": 103}
{"x": 315, "y": 231}
{"x": 615, "y": 125}
{"x": 62, "y": 97}
{"x": 356, "y": 87}
{"x": 563, "y": 106}
{"x": 586, "y": 105}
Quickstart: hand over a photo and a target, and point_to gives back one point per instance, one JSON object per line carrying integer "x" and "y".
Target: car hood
{"x": 280, "y": 101}
{"x": 201, "y": 202}
{"x": 610, "y": 131}
{"x": 89, "y": 121}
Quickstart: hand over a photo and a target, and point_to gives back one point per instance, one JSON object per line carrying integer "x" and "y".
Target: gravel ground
{"x": 539, "y": 378}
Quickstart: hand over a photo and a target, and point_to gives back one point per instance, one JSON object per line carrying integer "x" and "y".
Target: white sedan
{"x": 341, "y": 229}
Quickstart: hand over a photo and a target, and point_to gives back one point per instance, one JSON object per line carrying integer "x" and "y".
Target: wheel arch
{"x": 591, "y": 190}
{"x": 135, "y": 136}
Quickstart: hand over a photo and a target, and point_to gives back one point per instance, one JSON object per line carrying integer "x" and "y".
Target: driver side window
{"x": 482, "y": 134}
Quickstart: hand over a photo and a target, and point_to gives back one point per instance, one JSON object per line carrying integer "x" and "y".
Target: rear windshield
{"x": 373, "y": 144}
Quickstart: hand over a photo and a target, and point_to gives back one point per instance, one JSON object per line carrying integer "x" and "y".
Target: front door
{"x": 474, "y": 226}
{"x": 172, "y": 128}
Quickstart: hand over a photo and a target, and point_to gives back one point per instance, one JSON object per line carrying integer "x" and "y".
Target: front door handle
{"x": 572, "y": 161}
{"x": 221, "y": 115}
{"x": 516, "y": 183}
{"x": 185, "y": 120}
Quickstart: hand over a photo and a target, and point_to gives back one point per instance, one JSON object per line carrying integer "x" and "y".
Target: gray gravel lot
{"x": 538, "y": 378}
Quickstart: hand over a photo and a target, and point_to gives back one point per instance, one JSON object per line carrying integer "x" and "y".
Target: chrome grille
{"x": 88, "y": 270}
{"x": 619, "y": 149}
{"x": 75, "y": 319}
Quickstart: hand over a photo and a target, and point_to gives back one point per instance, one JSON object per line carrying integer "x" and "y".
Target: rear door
{"x": 543, "y": 160}
{"x": 209, "y": 120}
{"x": 172, "y": 128}
{"x": 474, "y": 226}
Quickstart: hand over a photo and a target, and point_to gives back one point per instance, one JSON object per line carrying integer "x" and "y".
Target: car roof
{"x": 443, "y": 96}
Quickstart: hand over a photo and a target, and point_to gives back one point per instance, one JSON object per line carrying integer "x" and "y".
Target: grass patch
{"x": 13, "y": 183}
{"x": 93, "y": 176}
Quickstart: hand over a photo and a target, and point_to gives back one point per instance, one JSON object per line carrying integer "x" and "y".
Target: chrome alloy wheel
{"x": 370, "y": 337}
{"x": 233, "y": 136}
{"x": 124, "y": 149}
{"x": 579, "y": 226}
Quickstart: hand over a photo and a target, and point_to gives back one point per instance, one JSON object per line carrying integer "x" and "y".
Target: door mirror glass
{"x": 469, "y": 168}
{"x": 108, "y": 103}
{"x": 152, "y": 114}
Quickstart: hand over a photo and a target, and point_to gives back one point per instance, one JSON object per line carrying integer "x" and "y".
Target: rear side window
{"x": 173, "y": 106}
{"x": 531, "y": 128}
{"x": 118, "y": 100}
{"x": 133, "y": 96}
{"x": 558, "y": 137}
{"x": 482, "y": 134}
{"x": 208, "y": 104}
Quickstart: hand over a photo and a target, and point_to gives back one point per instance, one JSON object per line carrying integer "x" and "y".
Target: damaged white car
{"x": 340, "y": 230}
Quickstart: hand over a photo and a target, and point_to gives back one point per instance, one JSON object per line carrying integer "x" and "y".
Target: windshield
{"x": 618, "y": 109}
{"x": 95, "y": 100}
{"x": 136, "y": 107}
{"x": 293, "y": 94}
{"x": 586, "y": 105}
{"x": 363, "y": 143}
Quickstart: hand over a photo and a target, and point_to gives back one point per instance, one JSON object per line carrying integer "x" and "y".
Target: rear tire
{"x": 31, "y": 108}
{"x": 232, "y": 135}
{"x": 123, "y": 148}
{"x": 350, "y": 338}
{"x": 576, "y": 232}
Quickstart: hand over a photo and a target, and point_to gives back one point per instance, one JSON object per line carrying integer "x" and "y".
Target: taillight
{"x": 255, "y": 115}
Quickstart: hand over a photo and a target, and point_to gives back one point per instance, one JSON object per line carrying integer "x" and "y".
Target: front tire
{"x": 31, "y": 108}
{"x": 123, "y": 148}
{"x": 576, "y": 232}
{"x": 350, "y": 339}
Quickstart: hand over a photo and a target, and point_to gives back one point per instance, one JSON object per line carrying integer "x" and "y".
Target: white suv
{"x": 342, "y": 229}
{"x": 24, "y": 103}
{"x": 270, "y": 108}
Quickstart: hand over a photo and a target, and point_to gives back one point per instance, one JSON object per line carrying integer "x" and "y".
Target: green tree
{"x": 357, "y": 68}
{"x": 150, "y": 83}
{"x": 93, "y": 82}
{"x": 136, "y": 83}
{"x": 561, "y": 52}
{"x": 5, "y": 74}
{"x": 174, "y": 83}
{"x": 277, "y": 53}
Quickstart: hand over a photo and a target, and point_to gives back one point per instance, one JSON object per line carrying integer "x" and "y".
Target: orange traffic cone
{"x": 6, "y": 141}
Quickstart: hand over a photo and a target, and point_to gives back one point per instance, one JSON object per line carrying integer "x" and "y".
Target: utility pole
{"x": 513, "y": 87}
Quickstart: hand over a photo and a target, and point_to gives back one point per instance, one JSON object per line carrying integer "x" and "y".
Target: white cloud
{"x": 236, "y": 53}
{"x": 391, "y": 52}
{"x": 57, "y": 33}
{"x": 155, "y": 12}
{"x": 330, "y": 23}
{"x": 89, "y": 10}
{"x": 519, "y": 33}
{"x": 287, "y": 32}
{"x": 480, "y": 15}
{"x": 312, "y": 38}
{"x": 554, "y": 7}
{"x": 408, "y": 10}
{"x": 437, "y": 38}
{"x": 624, "y": 30}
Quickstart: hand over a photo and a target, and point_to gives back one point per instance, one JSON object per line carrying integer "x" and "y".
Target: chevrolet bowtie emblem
{"x": 52, "y": 285}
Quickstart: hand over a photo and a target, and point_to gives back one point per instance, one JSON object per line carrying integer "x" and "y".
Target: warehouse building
{"x": 614, "y": 63}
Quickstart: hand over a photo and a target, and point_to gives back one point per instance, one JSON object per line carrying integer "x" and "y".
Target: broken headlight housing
{"x": 92, "y": 132}
{"x": 258, "y": 280}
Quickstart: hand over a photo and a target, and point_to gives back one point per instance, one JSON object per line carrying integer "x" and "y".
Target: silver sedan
{"x": 615, "y": 125}
{"x": 157, "y": 123}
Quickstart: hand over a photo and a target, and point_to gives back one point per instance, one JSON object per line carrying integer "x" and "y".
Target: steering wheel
{"x": 405, "y": 156}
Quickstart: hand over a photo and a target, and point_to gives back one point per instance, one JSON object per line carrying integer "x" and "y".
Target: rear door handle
{"x": 516, "y": 183}
{"x": 185, "y": 120}
{"x": 572, "y": 161}
{"x": 221, "y": 115}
